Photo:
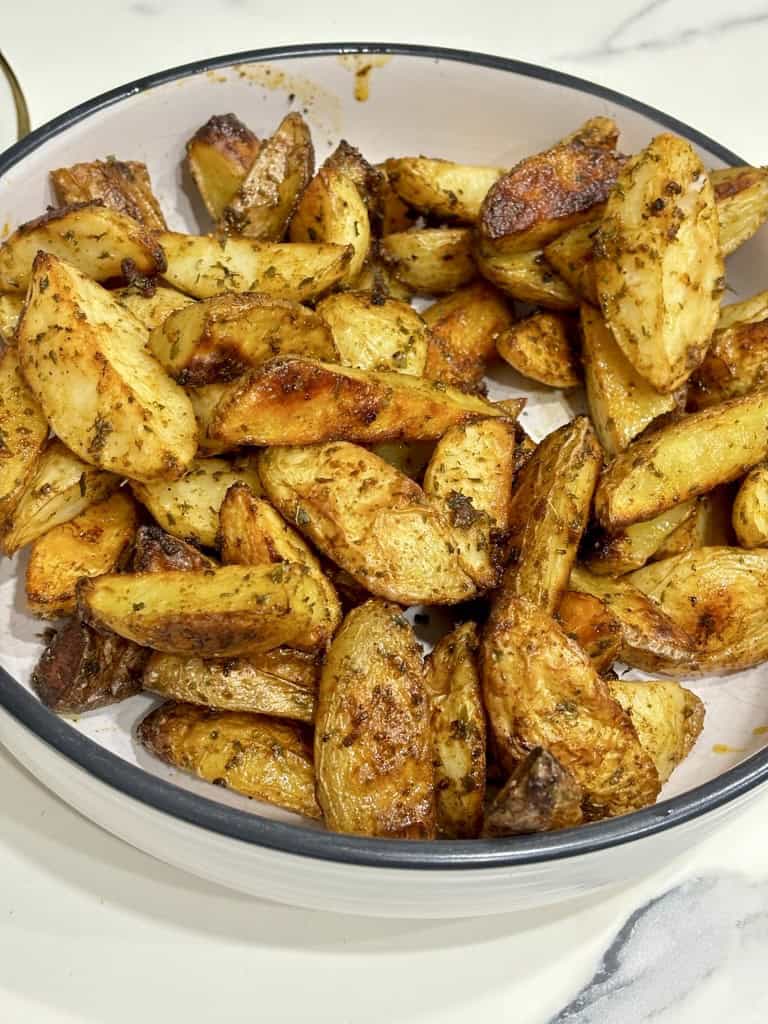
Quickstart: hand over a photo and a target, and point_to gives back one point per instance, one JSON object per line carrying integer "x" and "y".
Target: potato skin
{"x": 374, "y": 333}
{"x": 586, "y": 620}
{"x": 219, "y": 155}
{"x": 539, "y": 796}
{"x": 23, "y": 431}
{"x": 735, "y": 365}
{"x": 462, "y": 331}
{"x": 262, "y": 758}
{"x": 122, "y": 185}
{"x": 539, "y": 347}
{"x": 372, "y": 746}
{"x": 430, "y": 261}
{"x": 525, "y": 276}
{"x": 750, "y": 509}
{"x": 154, "y": 550}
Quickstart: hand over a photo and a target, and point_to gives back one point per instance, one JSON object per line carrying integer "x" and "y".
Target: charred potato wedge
{"x": 23, "y": 431}
{"x": 374, "y": 333}
{"x": 525, "y": 276}
{"x": 619, "y": 553}
{"x": 539, "y": 796}
{"x": 463, "y": 328}
{"x": 586, "y": 620}
{"x": 735, "y": 365}
{"x": 441, "y": 187}
{"x": 219, "y": 155}
{"x": 122, "y": 185}
{"x": 151, "y": 308}
{"x": 540, "y": 348}
{"x": 331, "y": 210}
{"x": 373, "y": 756}
{"x": 430, "y": 261}
{"x": 572, "y": 255}
{"x": 154, "y": 550}
{"x": 750, "y": 509}
{"x": 250, "y": 754}
{"x": 742, "y": 203}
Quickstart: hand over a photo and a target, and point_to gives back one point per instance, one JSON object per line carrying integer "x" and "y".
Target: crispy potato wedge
{"x": 92, "y": 543}
{"x": 668, "y": 719}
{"x": 85, "y": 360}
{"x": 540, "y": 689}
{"x": 122, "y": 185}
{"x": 658, "y": 264}
{"x": 469, "y": 478}
{"x": 81, "y": 670}
{"x": 204, "y": 401}
{"x": 708, "y": 525}
{"x": 373, "y": 755}
{"x": 60, "y": 487}
{"x": 572, "y": 255}
{"x": 189, "y": 507}
{"x": 215, "y": 613}
{"x": 621, "y": 402}
{"x": 686, "y": 458}
{"x": 742, "y": 203}
{"x": 719, "y": 596}
{"x": 98, "y": 241}
{"x": 430, "y": 261}
{"x": 218, "y": 339}
{"x": 267, "y": 196}
{"x": 539, "y": 796}
{"x": 332, "y": 210}
{"x": 540, "y": 347}
{"x": 151, "y": 308}
{"x": 23, "y": 431}
{"x": 441, "y": 187}
{"x": 586, "y": 620}
{"x": 203, "y": 266}
{"x": 154, "y": 550}
{"x": 457, "y": 728}
{"x": 607, "y": 554}
{"x": 369, "y": 519}
{"x": 750, "y": 509}
{"x": 303, "y": 401}
{"x": 462, "y": 333}
{"x": 374, "y": 333}
{"x": 262, "y": 758}
{"x": 219, "y": 155}
{"x": 736, "y": 364}
{"x": 526, "y": 276}
{"x": 10, "y": 310}
{"x": 749, "y": 311}
{"x": 549, "y": 512}
{"x": 547, "y": 193}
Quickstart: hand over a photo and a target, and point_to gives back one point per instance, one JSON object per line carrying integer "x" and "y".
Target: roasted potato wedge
{"x": 98, "y": 241}
{"x": 441, "y": 187}
{"x": 658, "y": 264}
{"x": 154, "y": 550}
{"x": 85, "y": 360}
{"x": 215, "y": 613}
{"x": 369, "y": 519}
{"x": 540, "y": 347}
{"x": 668, "y": 719}
{"x": 572, "y": 255}
{"x": 469, "y": 478}
{"x": 92, "y": 543}
{"x": 607, "y": 554}
{"x": 10, "y": 310}
{"x": 267, "y": 196}
{"x": 204, "y": 401}
{"x": 373, "y": 755}
{"x": 219, "y": 156}
{"x": 708, "y": 525}
{"x": 81, "y": 670}
{"x": 719, "y": 596}
{"x": 457, "y": 728}
{"x": 262, "y": 758}
{"x": 203, "y": 266}
{"x": 742, "y": 203}
{"x": 374, "y": 333}
{"x": 23, "y": 431}
{"x": 189, "y": 507}
{"x": 302, "y": 401}
{"x": 369, "y": 180}
{"x": 218, "y": 339}
{"x": 430, "y": 261}
{"x": 750, "y": 509}
{"x": 151, "y": 308}
{"x": 60, "y": 487}
{"x": 747, "y": 312}
{"x": 462, "y": 333}
{"x": 332, "y": 210}
{"x": 736, "y": 364}
{"x": 540, "y": 690}
{"x": 122, "y": 185}
{"x": 539, "y": 796}
{"x": 586, "y": 620}
{"x": 526, "y": 276}
{"x": 686, "y": 458}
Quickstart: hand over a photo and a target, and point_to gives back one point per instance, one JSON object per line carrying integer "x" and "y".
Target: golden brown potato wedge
{"x": 267, "y": 196}
{"x": 572, "y": 255}
{"x": 469, "y": 478}
{"x": 369, "y": 519}
{"x": 218, "y": 339}
{"x": 442, "y": 187}
{"x": 742, "y": 203}
{"x": 749, "y": 311}
{"x": 122, "y": 185}
{"x": 457, "y": 728}
{"x": 668, "y": 719}
{"x": 686, "y": 458}
{"x": 331, "y": 210}
{"x": 189, "y": 507}
{"x": 586, "y": 620}
{"x": 204, "y": 401}
{"x": 615, "y": 554}
{"x": 621, "y": 402}
{"x": 708, "y": 525}
{"x": 719, "y": 596}
{"x": 60, "y": 487}
{"x": 23, "y": 430}
{"x": 750, "y": 509}
{"x": 203, "y": 266}
{"x": 462, "y": 332}
{"x": 303, "y": 401}
{"x": 430, "y": 261}
{"x": 151, "y": 308}
{"x": 92, "y": 543}
{"x": 373, "y": 756}
{"x": 99, "y": 242}
{"x": 213, "y": 613}
{"x": 539, "y": 796}
{"x": 154, "y": 550}
{"x": 262, "y": 758}
{"x": 658, "y": 264}
{"x": 541, "y": 690}
{"x": 375, "y": 333}
{"x": 84, "y": 358}
{"x": 219, "y": 156}
{"x": 10, "y": 310}
{"x": 736, "y": 363}
{"x": 540, "y": 347}
{"x": 525, "y": 276}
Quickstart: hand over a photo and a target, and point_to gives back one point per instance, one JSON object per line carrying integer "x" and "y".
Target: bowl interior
{"x": 415, "y": 104}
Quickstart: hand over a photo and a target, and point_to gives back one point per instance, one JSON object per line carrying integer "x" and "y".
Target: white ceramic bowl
{"x": 421, "y": 100}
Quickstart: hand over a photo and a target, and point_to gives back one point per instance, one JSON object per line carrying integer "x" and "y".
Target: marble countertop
{"x": 94, "y": 931}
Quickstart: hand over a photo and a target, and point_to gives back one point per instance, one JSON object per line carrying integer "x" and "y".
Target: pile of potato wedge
{"x": 237, "y": 459}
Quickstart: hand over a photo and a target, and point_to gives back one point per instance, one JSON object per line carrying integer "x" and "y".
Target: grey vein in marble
{"x": 669, "y": 947}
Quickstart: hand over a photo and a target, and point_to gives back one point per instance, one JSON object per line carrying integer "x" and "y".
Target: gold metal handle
{"x": 22, "y": 111}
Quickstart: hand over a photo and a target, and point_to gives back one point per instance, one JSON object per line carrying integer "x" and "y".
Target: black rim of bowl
{"x": 296, "y": 839}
